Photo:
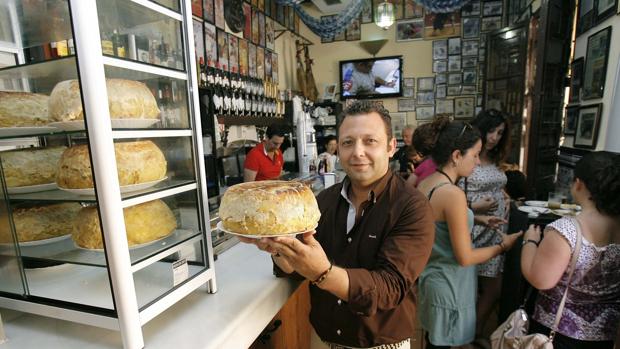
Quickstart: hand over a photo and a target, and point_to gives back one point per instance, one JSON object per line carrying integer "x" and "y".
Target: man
{"x": 401, "y": 155}
{"x": 363, "y": 80}
{"x": 265, "y": 161}
{"x": 373, "y": 240}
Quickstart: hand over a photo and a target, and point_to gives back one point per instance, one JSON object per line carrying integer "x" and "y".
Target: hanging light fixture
{"x": 384, "y": 15}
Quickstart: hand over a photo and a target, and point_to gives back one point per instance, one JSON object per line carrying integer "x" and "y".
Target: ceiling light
{"x": 384, "y": 15}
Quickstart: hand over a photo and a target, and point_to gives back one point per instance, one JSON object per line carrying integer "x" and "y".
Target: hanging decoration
{"x": 327, "y": 27}
{"x": 443, "y": 6}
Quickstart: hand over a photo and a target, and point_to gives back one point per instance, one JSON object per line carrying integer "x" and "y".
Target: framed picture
{"x": 454, "y": 63}
{"x": 444, "y": 107}
{"x": 413, "y": 10}
{"x": 270, "y": 33}
{"x": 471, "y": 9}
{"x": 267, "y": 64}
{"x": 222, "y": 49}
{"x": 576, "y": 80}
{"x": 426, "y": 84}
{"x": 261, "y": 5}
{"x": 441, "y": 78}
{"x": 440, "y": 49}
{"x": 455, "y": 78}
{"x": 482, "y": 54}
{"x": 233, "y": 53}
{"x": 198, "y": 39}
{"x": 468, "y": 89}
{"x": 341, "y": 36}
{"x": 260, "y": 62}
{"x": 440, "y": 66}
{"x": 490, "y": 24}
{"x": 441, "y": 91}
{"x": 329, "y": 92}
{"x": 470, "y": 48}
{"x": 471, "y": 27}
{"x": 426, "y": 98}
{"x": 408, "y": 92}
{"x": 586, "y": 16}
{"x": 469, "y": 76}
{"x": 218, "y": 9}
{"x": 251, "y": 60}
{"x": 208, "y": 13}
{"x": 197, "y": 8}
{"x": 454, "y": 90}
{"x": 354, "y": 31}
{"x": 406, "y": 104}
{"x": 261, "y": 29}
{"x": 596, "y": 64}
{"x": 605, "y": 9}
{"x": 454, "y": 46}
{"x": 492, "y": 8}
{"x": 442, "y": 25}
{"x": 570, "y": 123}
{"x": 247, "y": 27}
{"x": 274, "y": 67}
{"x": 210, "y": 44}
{"x": 425, "y": 113}
{"x": 409, "y": 82}
{"x": 410, "y": 29}
{"x": 255, "y": 28}
{"x": 469, "y": 62}
{"x": 586, "y": 133}
{"x": 367, "y": 11}
{"x": 243, "y": 57}
{"x": 464, "y": 107}
{"x": 399, "y": 122}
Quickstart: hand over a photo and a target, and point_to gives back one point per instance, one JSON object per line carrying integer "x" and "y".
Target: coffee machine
{"x": 306, "y": 137}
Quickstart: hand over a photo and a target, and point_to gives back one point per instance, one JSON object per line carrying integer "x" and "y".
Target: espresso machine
{"x": 306, "y": 137}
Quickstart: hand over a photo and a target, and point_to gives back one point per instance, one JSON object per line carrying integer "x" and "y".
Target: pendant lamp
{"x": 384, "y": 15}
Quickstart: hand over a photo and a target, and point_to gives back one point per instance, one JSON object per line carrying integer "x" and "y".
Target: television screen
{"x": 371, "y": 78}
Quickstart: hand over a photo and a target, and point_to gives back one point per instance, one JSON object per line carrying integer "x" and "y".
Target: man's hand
{"x": 484, "y": 205}
{"x": 306, "y": 256}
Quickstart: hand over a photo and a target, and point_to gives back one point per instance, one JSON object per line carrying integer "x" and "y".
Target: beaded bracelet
{"x": 323, "y": 276}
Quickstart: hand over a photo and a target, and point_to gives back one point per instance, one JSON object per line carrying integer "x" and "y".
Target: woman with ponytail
{"x": 591, "y": 315}
{"x": 447, "y": 286}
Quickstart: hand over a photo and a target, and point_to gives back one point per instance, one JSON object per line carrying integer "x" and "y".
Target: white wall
{"x": 609, "y": 130}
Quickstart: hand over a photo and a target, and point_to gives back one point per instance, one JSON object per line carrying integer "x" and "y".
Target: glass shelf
{"x": 43, "y": 76}
{"x": 67, "y": 251}
{"x": 64, "y": 196}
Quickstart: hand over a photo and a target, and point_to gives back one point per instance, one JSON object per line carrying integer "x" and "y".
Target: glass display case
{"x": 103, "y": 205}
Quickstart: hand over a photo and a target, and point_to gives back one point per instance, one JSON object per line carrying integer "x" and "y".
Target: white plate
{"x": 25, "y": 131}
{"x": 563, "y": 213}
{"x": 31, "y": 188}
{"x": 124, "y": 189}
{"x": 134, "y": 247}
{"x": 533, "y": 209}
{"x": 220, "y": 226}
{"x": 40, "y": 242}
{"x": 573, "y": 207}
{"x": 78, "y": 125}
{"x": 536, "y": 203}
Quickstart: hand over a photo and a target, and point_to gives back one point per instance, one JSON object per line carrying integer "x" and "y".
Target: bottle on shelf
{"x": 202, "y": 81}
{"x": 107, "y": 46}
{"x": 120, "y": 48}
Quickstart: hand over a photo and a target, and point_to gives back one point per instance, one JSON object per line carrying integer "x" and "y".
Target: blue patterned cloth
{"x": 442, "y": 6}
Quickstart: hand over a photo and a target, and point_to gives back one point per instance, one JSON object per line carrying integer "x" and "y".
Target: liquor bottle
{"x": 62, "y": 48}
{"x": 120, "y": 49}
{"x": 203, "y": 73}
{"x": 71, "y": 46}
{"x": 107, "y": 46}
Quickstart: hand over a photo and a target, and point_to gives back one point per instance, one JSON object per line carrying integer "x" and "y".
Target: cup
{"x": 555, "y": 199}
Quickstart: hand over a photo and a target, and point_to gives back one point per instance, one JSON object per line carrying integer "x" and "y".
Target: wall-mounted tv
{"x": 371, "y": 77}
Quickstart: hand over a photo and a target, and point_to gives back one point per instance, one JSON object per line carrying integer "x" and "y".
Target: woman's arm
{"x": 544, "y": 265}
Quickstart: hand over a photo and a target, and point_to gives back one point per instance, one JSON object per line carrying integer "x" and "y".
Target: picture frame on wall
{"x": 454, "y": 63}
{"x": 413, "y": 10}
{"x": 470, "y": 48}
{"x": 454, "y": 46}
{"x": 274, "y": 67}
{"x": 243, "y": 57}
{"x": 426, "y": 83}
{"x": 406, "y": 104}
{"x": 605, "y": 9}
{"x": 425, "y": 98}
{"x": 441, "y": 78}
{"x": 410, "y": 29}
{"x": 270, "y": 33}
{"x": 464, "y": 107}
{"x": 425, "y": 112}
{"x": 408, "y": 92}
{"x": 468, "y": 89}
{"x": 471, "y": 9}
{"x": 490, "y": 23}
{"x": 199, "y": 39}
{"x": 595, "y": 70}
{"x": 454, "y": 90}
{"x": 409, "y": 82}
{"x": 586, "y": 16}
{"x": 268, "y": 71}
{"x": 442, "y": 25}
{"x": 440, "y": 66}
{"x": 492, "y": 8}
{"x": 469, "y": 76}
{"x": 261, "y": 29}
{"x": 366, "y": 15}
{"x": 354, "y": 31}
{"x": 440, "y": 49}
{"x": 233, "y": 53}
{"x": 455, "y": 78}
{"x": 247, "y": 27}
{"x": 469, "y": 62}
{"x": 255, "y": 28}
{"x": 471, "y": 27}
{"x": 444, "y": 107}
{"x": 251, "y": 60}
{"x": 441, "y": 91}
{"x": 208, "y": 13}
{"x": 570, "y": 123}
{"x": 210, "y": 44}
{"x": 222, "y": 49}
{"x": 260, "y": 62}
{"x": 218, "y": 9}
{"x": 197, "y": 8}
{"x": 588, "y": 122}
{"x": 329, "y": 92}
{"x": 576, "y": 80}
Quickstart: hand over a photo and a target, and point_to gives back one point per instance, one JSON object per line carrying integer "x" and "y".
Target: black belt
{"x": 382, "y": 346}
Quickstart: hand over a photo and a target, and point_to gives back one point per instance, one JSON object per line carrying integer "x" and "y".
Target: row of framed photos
{"x": 583, "y": 122}
{"x": 588, "y": 75}
{"x": 234, "y": 14}
{"x": 593, "y": 12}
{"x": 230, "y": 53}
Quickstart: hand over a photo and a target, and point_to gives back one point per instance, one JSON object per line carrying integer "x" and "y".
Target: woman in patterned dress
{"x": 591, "y": 316}
{"x": 484, "y": 188}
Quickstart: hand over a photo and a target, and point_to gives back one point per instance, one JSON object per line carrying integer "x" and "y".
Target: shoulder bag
{"x": 512, "y": 334}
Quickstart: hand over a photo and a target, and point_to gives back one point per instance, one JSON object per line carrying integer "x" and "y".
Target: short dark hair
{"x": 275, "y": 130}
{"x": 516, "y": 184}
{"x": 451, "y": 136}
{"x": 358, "y": 108}
{"x": 600, "y": 172}
{"x": 330, "y": 138}
{"x": 487, "y": 120}
{"x": 423, "y": 139}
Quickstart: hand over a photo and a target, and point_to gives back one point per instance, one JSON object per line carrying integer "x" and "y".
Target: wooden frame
{"x": 586, "y": 133}
{"x": 602, "y": 13}
{"x": 595, "y": 71}
{"x": 576, "y": 80}
{"x": 570, "y": 122}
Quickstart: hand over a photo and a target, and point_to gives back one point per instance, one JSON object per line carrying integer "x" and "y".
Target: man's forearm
{"x": 336, "y": 283}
